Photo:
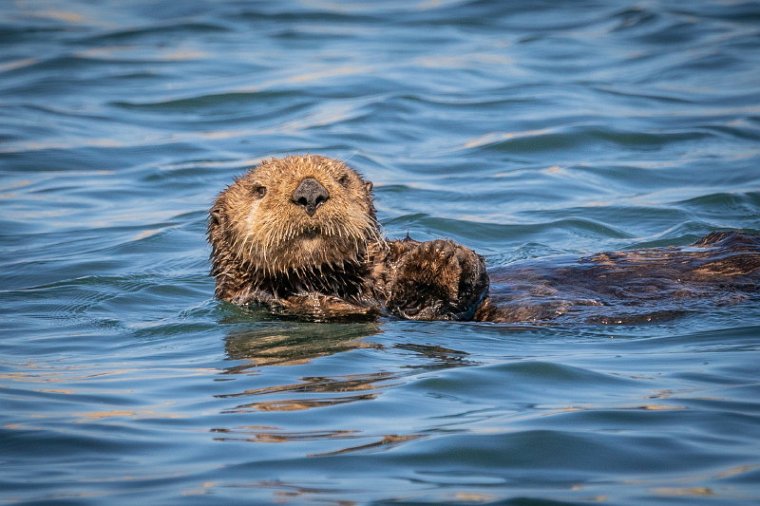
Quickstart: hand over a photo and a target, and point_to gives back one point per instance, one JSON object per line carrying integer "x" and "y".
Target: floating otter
{"x": 299, "y": 236}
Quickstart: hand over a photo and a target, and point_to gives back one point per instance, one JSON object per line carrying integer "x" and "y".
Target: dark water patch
{"x": 158, "y": 31}
{"x": 209, "y": 103}
{"x": 46, "y": 69}
{"x": 646, "y": 217}
{"x": 542, "y": 141}
{"x": 561, "y": 450}
{"x": 730, "y": 131}
{"x": 634, "y": 18}
{"x": 22, "y": 443}
{"x": 17, "y": 34}
{"x": 428, "y": 227}
{"x": 486, "y": 104}
{"x": 266, "y": 15}
{"x": 725, "y": 204}
{"x": 744, "y": 12}
{"x": 635, "y": 95}
{"x": 519, "y": 381}
{"x": 54, "y": 157}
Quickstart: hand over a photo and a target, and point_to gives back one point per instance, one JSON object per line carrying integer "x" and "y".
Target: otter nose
{"x": 310, "y": 194}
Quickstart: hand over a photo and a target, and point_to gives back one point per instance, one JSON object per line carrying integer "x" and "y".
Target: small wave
{"x": 265, "y": 16}
{"x": 497, "y": 231}
{"x": 562, "y": 138}
{"x": 634, "y": 19}
{"x": 209, "y": 101}
{"x": 637, "y": 93}
{"x": 177, "y": 29}
{"x": 741, "y": 204}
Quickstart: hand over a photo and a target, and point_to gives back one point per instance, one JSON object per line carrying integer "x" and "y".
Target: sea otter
{"x": 299, "y": 236}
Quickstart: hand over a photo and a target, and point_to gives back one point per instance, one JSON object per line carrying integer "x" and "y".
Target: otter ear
{"x": 216, "y": 215}
{"x": 368, "y": 186}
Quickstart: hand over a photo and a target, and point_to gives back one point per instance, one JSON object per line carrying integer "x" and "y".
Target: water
{"x": 521, "y": 129}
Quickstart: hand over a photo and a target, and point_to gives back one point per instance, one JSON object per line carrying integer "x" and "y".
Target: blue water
{"x": 522, "y": 129}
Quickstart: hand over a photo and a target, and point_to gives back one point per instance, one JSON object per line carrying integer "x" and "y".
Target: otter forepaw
{"x": 438, "y": 280}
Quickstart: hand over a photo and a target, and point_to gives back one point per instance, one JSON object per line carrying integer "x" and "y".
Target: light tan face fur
{"x": 273, "y": 234}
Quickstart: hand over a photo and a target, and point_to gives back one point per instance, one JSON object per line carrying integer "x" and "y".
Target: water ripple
{"x": 530, "y": 131}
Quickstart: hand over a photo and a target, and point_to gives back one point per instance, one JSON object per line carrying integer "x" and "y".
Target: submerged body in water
{"x": 628, "y": 286}
{"x": 299, "y": 236}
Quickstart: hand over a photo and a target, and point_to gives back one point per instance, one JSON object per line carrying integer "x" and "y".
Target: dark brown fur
{"x": 332, "y": 261}
{"x": 628, "y": 286}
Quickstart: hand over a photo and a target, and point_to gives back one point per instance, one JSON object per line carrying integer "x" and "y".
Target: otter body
{"x": 299, "y": 236}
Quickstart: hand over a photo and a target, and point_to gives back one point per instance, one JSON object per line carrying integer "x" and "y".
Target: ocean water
{"x": 522, "y": 129}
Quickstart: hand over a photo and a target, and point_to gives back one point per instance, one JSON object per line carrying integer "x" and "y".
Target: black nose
{"x": 310, "y": 194}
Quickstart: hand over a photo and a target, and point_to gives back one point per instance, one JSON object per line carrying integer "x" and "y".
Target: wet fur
{"x": 335, "y": 263}
{"x": 628, "y": 286}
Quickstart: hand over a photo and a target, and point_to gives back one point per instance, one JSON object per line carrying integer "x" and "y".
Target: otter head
{"x": 298, "y": 213}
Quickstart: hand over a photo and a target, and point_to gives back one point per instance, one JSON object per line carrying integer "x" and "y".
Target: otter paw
{"x": 438, "y": 280}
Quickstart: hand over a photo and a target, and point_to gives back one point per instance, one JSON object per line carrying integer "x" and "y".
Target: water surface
{"x": 521, "y": 129}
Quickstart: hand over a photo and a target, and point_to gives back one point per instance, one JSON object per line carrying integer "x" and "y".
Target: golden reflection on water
{"x": 384, "y": 442}
{"x": 268, "y": 434}
{"x": 298, "y": 404}
{"x": 693, "y": 485}
{"x": 297, "y": 343}
{"x": 365, "y": 383}
{"x": 127, "y": 413}
{"x": 347, "y": 383}
{"x": 67, "y": 16}
{"x": 135, "y": 53}
{"x": 681, "y": 492}
{"x": 291, "y": 344}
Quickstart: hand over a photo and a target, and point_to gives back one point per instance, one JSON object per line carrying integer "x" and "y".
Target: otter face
{"x": 297, "y": 213}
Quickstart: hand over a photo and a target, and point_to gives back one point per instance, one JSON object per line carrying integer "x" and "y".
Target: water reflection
{"x": 257, "y": 412}
{"x": 440, "y": 356}
{"x": 319, "y": 384}
{"x": 270, "y": 434}
{"x": 291, "y": 343}
{"x": 385, "y": 442}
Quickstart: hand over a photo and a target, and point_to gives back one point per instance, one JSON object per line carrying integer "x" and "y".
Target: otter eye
{"x": 343, "y": 180}
{"x": 259, "y": 191}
